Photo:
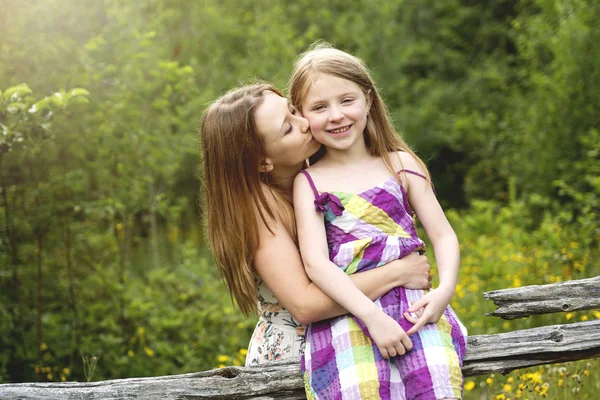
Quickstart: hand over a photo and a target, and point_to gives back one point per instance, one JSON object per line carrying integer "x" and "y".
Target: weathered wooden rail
{"x": 501, "y": 352}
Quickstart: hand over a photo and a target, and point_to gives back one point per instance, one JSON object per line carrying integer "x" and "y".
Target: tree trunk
{"x": 71, "y": 281}
{"x": 17, "y": 309}
{"x": 154, "y": 231}
{"x": 39, "y": 292}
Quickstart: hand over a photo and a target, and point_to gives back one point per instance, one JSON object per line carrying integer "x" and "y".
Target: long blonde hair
{"x": 380, "y": 136}
{"x": 232, "y": 151}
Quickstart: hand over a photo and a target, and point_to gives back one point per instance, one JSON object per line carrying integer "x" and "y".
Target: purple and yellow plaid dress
{"x": 364, "y": 231}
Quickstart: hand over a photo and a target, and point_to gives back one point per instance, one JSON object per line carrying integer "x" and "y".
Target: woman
{"x": 253, "y": 144}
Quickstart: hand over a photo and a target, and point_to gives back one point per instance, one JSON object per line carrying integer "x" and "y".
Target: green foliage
{"x": 103, "y": 269}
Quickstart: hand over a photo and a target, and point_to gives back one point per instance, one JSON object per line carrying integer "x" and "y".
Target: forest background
{"x": 104, "y": 268}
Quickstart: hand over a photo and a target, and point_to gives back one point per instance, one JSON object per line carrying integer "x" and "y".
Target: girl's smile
{"x": 340, "y": 131}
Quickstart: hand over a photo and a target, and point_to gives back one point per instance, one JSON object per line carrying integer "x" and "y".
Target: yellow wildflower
{"x": 535, "y": 377}
{"x": 569, "y": 316}
{"x": 470, "y": 385}
{"x": 149, "y": 351}
{"x": 510, "y": 379}
{"x": 141, "y": 331}
{"x": 586, "y": 372}
{"x": 500, "y": 396}
{"x": 222, "y": 358}
{"x": 243, "y": 352}
{"x": 489, "y": 381}
{"x": 584, "y": 317}
{"x": 130, "y": 353}
{"x": 507, "y": 388}
{"x": 66, "y": 371}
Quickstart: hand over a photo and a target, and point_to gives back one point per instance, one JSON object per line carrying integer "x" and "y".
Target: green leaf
{"x": 13, "y": 93}
{"x": 40, "y": 105}
{"x": 57, "y": 99}
{"x": 14, "y": 108}
{"x": 79, "y": 92}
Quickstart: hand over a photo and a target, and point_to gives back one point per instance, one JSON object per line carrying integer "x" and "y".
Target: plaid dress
{"x": 364, "y": 231}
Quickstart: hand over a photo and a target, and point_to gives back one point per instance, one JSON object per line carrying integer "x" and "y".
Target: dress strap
{"x": 417, "y": 174}
{"x": 325, "y": 200}
{"x": 310, "y": 180}
{"x": 413, "y": 172}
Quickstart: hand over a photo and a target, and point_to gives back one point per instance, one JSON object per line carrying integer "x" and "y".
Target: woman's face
{"x": 288, "y": 141}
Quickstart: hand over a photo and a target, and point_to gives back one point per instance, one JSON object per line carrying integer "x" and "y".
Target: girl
{"x": 354, "y": 213}
{"x": 253, "y": 144}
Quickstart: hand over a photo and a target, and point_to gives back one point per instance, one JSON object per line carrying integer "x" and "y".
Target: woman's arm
{"x": 278, "y": 263}
{"x": 443, "y": 239}
{"x": 387, "y": 334}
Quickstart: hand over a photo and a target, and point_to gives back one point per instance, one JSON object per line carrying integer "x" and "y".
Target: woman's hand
{"x": 387, "y": 334}
{"x": 411, "y": 272}
{"x": 430, "y": 307}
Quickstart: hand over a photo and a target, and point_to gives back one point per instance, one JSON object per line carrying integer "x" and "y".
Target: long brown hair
{"x": 380, "y": 136}
{"x": 232, "y": 151}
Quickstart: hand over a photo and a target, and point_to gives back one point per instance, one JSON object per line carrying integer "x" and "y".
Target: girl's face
{"x": 288, "y": 141}
{"x": 336, "y": 109}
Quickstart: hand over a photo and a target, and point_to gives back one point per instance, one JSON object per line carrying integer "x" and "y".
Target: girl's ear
{"x": 369, "y": 100}
{"x": 266, "y": 166}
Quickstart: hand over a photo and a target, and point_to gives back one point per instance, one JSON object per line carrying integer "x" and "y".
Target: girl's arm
{"x": 385, "y": 332}
{"x": 278, "y": 263}
{"x": 443, "y": 239}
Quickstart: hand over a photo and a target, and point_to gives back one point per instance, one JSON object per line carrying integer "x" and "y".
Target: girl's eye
{"x": 318, "y": 108}
{"x": 347, "y": 100}
{"x": 289, "y": 129}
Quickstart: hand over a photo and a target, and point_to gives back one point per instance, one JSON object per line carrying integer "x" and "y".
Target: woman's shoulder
{"x": 275, "y": 215}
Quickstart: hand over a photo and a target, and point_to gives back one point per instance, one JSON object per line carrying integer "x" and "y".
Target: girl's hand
{"x": 387, "y": 334}
{"x": 411, "y": 272}
{"x": 433, "y": 305}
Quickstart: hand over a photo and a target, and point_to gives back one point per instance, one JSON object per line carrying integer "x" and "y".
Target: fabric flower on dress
{"x": 335, "y": 205}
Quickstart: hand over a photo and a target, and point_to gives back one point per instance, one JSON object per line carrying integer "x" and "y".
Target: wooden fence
{"x": 501, "y": 353}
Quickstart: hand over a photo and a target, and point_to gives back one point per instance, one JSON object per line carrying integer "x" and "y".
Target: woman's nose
{"x": 304, "y": 125}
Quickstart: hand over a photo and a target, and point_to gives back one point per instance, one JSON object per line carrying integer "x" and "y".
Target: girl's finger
{"x": 400, "y": 350}
{"x": 407, "y": 343}
{"x": 384, "y": 352}
{"x": 417, "y": 305}
{"x": 392, "y": 352}
{"x": 410, "y": 317}
{"x": 418, "y": 324}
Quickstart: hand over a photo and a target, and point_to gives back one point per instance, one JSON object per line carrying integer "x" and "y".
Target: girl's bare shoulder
{"x": 404, "y": 160}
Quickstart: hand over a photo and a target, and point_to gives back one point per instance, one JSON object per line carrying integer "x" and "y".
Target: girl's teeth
{"x": 339, "y": 130}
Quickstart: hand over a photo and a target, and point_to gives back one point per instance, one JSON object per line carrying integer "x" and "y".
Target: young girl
{"x": 354, "y": 212}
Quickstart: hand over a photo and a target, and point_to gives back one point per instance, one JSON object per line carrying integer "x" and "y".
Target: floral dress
{"x": 277, "y": 334}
